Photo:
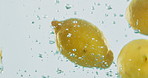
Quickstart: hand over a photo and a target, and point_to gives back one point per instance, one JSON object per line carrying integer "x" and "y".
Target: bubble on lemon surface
{"x": 69, "y": 35}
{"x": 137, "y": 31}
{"x": 74, "y": 49}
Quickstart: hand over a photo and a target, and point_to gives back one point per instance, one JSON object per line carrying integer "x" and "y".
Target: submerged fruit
{"x": 0, "y": 56}
{"x": 1, "y": 67}
{"x": 133, "y": 59}
{"x": 82, "y": 43}
{"x": 137, "y": 15}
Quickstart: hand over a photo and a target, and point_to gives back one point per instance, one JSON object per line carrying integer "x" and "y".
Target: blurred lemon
{"x": 133, "y": 59}
{"x": 0, "y": 56}
{"x": 137, "y": 15}
{"x": 1, "y": 66}
{"x": 82, "y": 43}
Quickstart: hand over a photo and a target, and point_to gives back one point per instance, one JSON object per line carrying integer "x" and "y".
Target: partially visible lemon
{"x": 0, "y": 56}
{"x": 1, "y": 66}
{"x": 137, "y": 15}
{"x": 133, "y": 59}
{"x": 82, "y": 43}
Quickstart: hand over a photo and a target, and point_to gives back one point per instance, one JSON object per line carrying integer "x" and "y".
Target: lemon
{"x": 0, "y": 56}
{"x": 1, "y": 66}
{"x": 133, "y": 59}
{"x": 137, "y": 15}
{"x": 82, "y": 43}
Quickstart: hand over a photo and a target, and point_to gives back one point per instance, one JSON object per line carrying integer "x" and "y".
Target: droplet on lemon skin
{"x": 132, "y": 61}
{"x": 82, "y": 43}
{"x": 137, "y": 15}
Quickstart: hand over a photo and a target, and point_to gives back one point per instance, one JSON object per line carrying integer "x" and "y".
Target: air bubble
{"x": 79, "y": 57}
{"x": 75, "y": 21}
{"x": 98, "y": 4}
{"x": 68, "y": 6}
{"x": 72, "y": 55}
{"x": 115, "y": 15}
{"x": 69, "y": 35}
{"x": 43, "y": 77}
{"x": 51, "y": 32}
{"x": 57, "y": 1}
{"x": 121, "y": 15}
{"x": 36, "y": 41}
{"x": 59, "y": 71}
{"x": 51, "y": 42}
{"x": 137, "y": 22}
{"x": 40, "y": 55}
{"x": 137, "y": 31}
{"x": 100, "y": 46}
{"x": 74, "y": 49}
{"x": 93, "y": 8}
{"x": 139, "y": 69}
{"x": 59, "y": 24}
{"x": 38, "y": 17}
{"x": 75, "y": 13}
{"x": 67, "y": 29}
{"x": 39, "y": 8}
{"x": 92, "y": 54}
{"x": 93, "y": 38}
{"x": 32, "y": 22}
{"x": 114, "y": 22}
{"x": 109, "y": 7}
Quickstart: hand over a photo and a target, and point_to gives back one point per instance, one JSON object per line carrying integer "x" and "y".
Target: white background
{"x": 25, "y": 33}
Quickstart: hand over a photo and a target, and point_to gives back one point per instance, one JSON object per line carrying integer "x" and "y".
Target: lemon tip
{"x": 55, "y": 23}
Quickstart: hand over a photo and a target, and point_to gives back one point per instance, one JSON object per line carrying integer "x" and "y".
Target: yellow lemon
{"x": 137, "y": 15}
{"x": 133, "y": 59}
{"x": 0, "y": 56}
{"x": 82, "y": 43}
{"x": 1, "y": 66}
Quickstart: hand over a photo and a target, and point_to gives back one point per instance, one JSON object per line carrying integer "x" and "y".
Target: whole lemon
{"x": 137, "y": 15}
{"x": 133, "y": 59}
{"x": 82, "y": 43}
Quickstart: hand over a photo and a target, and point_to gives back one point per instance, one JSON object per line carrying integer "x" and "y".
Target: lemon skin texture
{"x": 82, "y": 43}
{"x": 133, "y": 59}
{"x": 137, "y": 15}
